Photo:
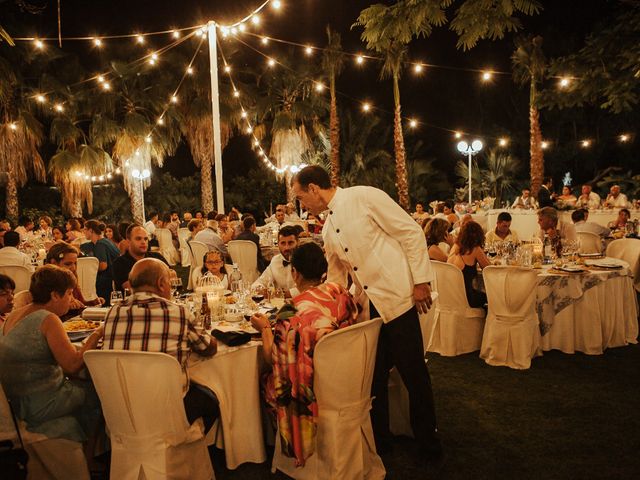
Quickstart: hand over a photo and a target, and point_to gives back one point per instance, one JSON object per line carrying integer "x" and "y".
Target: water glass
{"x": 116, "y": 297}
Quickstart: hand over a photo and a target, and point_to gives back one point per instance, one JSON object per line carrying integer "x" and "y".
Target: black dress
{"x": 476, "y": 298}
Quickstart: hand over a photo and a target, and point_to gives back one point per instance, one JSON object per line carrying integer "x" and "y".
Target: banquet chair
{"x": 185, "y": 252}
{"x": 589, "y": 242}
{"x": 511, "y": 333}
{"x": 343, "y": 370}
{"x": 44, "y": 452}
{"x": 19, "y": 274}
{"x": 198, "y": 250}
{"x": 141, "y": 397}
{"x": 244, "y": 253}
{"x": 627, "y": 249}
{"x": 456, "y": 327}
{"x": 166, "y": 247}
{"x": 87, "y": 273}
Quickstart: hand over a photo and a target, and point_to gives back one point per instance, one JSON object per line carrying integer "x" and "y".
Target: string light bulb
{"x": 503, "y": 142}
{"x": 486, "y": 76}
{"x": 140, "y": 39}
{"x": 174, "y": 99}
{"x": 544, "y": 145}
{"x": 39, "y": 44}
{"x": 255, "y": 19}
{"x": 234, "y": 30}
{"x": 413, "y": 123}
{"x": 100, "y": 79}
{"x": 58, "y": 107}
{"x": 249, "y": 129}
{"x": 276, "y": 4}
{"x": 564, "y": 82}
{"x": 97, "y": 42}
{"x": 243, "y": 114}
{"x": 624, "y": 138}
{"x": 457, "y": 135}
{"x": 153, "y": 59}
{"x": 308, "y": 50}
{"x": 106, "y": 86}
{"x": 227, "y": 68}
{"x": 271, "y": 62}
{"x": 175, "y": 34}
{"x": 366, "y": 107}
{"x": 418, "y": 68}
{"x": 109, "y": 176}
{"x": 118, "y": 171}
{"x": 319, "y": 87}
{"x": 264, "y": 40}
{"x": 41, "y": 98}
{"x": 147, "y": 139}
{"x": 189, "y": 70}
{"x": 160, "y": 122}
{"x": 585, "y": 143}
{"x": 13, "y": 126}
{"x": 359, "y": 59}
{"x": 242, "y": 27}
{"x": 236, "y": 93}
{"x": 256, "y": 143}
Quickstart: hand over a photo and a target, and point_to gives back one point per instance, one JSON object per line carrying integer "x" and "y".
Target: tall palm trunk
{"x": 75, "y": 210}
{"x": 334, "y": 135}
{"x": 402, "y": 184}
{"x": 135, "y": 196}
{"x": 535, "y": 143}
{"x": 206, "y": 183}
{"x": 11, "y": 200}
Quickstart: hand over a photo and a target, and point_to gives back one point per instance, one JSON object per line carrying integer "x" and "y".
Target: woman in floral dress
{"x": 320, "y": 308}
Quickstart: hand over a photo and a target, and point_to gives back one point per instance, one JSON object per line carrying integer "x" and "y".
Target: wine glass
{"x": 176, "y": 286}
{"x": 257, "y": 293}
{"x": 116, "y": 297}
{"x": 277, "y": 300}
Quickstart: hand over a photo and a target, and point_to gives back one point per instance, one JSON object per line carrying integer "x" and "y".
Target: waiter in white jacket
{"x": 370, "y": 238}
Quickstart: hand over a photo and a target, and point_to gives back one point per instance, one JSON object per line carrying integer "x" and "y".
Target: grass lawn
{"x": 568, "y": 417}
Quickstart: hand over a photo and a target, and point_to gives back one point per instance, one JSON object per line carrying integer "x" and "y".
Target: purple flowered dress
{"x": 289, "y": 389}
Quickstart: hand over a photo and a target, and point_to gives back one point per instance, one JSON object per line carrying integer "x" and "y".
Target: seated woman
{"x": 437, "y": 231}
{"x": 7, "y": 287}
{"x": 620, "y": 223}
{"x": 319, "y": 309}
{"x": 465, "y": 254}
{"x": 35, "y": 357}
{"x": 75, "y": 234}
{"x": 212, "y": 264}
{"x": 567, "y": 198}
{"x": 111, "y": 233}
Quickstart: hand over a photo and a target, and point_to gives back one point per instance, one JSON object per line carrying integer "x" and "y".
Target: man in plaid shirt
{"x": 148, "y": 321}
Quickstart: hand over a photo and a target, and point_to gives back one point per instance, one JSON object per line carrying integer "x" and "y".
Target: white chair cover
{"x": 19, "y": 274}
{"x": 343, "y": 371}
{"x": 185, "y": 251}
{"x": 166, "y": 247}
{"x": 87, "y": 273}
{"x": 141, "y": 397}
{"x": 456, "y": 327}
{"x": 511, "y": 334}
{"x": 589, "y": 242}
{"x": 245, "y": 254}
{"x": 198, "y": 250}
{"x": 45, "y": 454}
{"x": 627, "y": 249}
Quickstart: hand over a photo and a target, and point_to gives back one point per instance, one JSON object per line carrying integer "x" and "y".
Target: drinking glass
{"x": 127, "y": 293}
{"x": 116, "y": 297}
{"x": 257, "y": 293}
{"x": 176, "y": 286}
{"x": 278, "y": 298}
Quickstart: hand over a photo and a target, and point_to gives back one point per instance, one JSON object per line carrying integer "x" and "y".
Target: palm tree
{"x": 529, "y": 66}
{"x": 494, "y": 178}
{"x": 20, "y": 136}
{"x": 333, "y": 63}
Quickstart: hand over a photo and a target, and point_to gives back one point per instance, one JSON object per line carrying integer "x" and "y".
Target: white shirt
{"x": 212, "y": 240}
{"x": 150, "y": 227}
{"x": 279, "y": 275}
{"x": 592, "y": 203}
{"x": 371, "y": 238}
{"x": 592, "y": 227}
{"x": 24, "y": 235}
{"x": 13, "y": 256}
{"x": 619, "y": 202}
{"x": 522, "y": 202}
{"x": 567, "y": 232}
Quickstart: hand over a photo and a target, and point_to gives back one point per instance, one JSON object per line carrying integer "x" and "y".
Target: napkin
{"x": 94, "y": 313}
{"x": 233, "y": 339}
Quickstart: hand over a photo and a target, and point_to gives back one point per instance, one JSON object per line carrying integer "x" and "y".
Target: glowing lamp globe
{"x": 462, "y": 146}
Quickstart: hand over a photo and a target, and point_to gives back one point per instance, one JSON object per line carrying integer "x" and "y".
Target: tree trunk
{"x": 334, "y": 137}
{"x": 402, "y": 184}
{"x": 537, "y": 155}
{"x": 136, "y": 203}
{"x": 75, "y": 210}
{"x": 206, "y": 184}
{"x": 11, "y": 193}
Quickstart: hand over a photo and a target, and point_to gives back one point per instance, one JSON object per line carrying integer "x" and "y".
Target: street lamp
{"x": 469, "y": 150}
{"x": 142, "y": 176}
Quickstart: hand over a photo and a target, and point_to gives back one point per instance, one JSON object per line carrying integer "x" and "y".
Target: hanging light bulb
{"x": 106, "y": 86}
{"x": 308, "y": 50}
{"x": 457, "y": 135}
{"x": 41, "y": 98}
{"x": 255, "y": 19}
{"x": 359, "y": 59}
{"x": 58, "y": 107}
{"x": 140, "y": 39}
{"x": 264, "y": 40}
{"x": 544, "y": 145}
{"x": 486, "y": 76}
{"x": 174, "y": 99}
{"x": 503, "y": 142}
{"x": 585, "y": 143}
{"x": 413, "y": 123}
{"x": 175, "y": 34}
{"x": 418, "y": 68}
{"x": 227, "y": 68}
{"x": 276, "y": 4}
{"x": 189, "y": 70}
{"x": 564, "y": 82}
{"x": 97, "y": 42}
{"x": 271, "y": 62}
{"x": 624, "y": 138}
{"x": 366, "y": 107}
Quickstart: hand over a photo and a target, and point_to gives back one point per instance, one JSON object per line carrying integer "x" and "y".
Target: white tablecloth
{"x": 233, "y": 373}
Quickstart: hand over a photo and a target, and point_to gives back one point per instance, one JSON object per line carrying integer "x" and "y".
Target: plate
{"x": 603, "y": 264}
{"x": 570, "y": 269}
{"x": 590, "y": 255}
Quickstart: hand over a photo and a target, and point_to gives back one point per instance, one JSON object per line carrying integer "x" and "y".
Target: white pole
{"x": 470, "y": 175}
{"x": 215, "y": 110}
{"x": 142, "y": 197}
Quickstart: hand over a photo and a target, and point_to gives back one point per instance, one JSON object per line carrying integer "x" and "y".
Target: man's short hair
{"x": 526, "y": 189}
{"x": 131, "y": 227}
{"x": 11, "y": 239}
{"x": 288, "y": 230}
{"x": 248, "y": 222}
{"x": 579, "y": 215}
{"x": 153, "y": 214}
{"x": 193, "y": 224}
{"x": 548, "y": 212}
{"x": 625, "y": 210}
{"x": 504, "y": 217}
{"x": 313, "y": 174}
{"x": 7, "y": 283}
{"x": 212, "y": 215}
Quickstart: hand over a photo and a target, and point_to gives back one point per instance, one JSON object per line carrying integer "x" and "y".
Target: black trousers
{"x": 400, "y": 345}
{"x": 201, "y": 402}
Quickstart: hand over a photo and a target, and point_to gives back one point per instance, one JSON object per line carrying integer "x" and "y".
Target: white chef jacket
{"x": 620, "y": 201}
{"x": 13, "y": 256}
{"x": 279, "y": 275}
{"x": 371, "y": 238}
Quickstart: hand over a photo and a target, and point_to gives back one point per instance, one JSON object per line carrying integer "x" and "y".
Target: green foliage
{"x": 168, "y": 193}
{"x": 255, "y": 193}
{"x": 495, "y": 176}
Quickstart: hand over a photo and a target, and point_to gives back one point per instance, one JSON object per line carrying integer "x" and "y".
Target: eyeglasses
{"x": 214, "y": 262}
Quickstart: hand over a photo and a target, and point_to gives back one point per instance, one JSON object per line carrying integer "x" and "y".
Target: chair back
{"x": 133, "y": 398}
{"x": 198, "y": 250}
{"x": 87, "y": 273}
{"x": 627, "y": 249}
{"x": 165, "y": 245}
{"x": 589, "y": 242}
{"x": 511, "y": 291}
{"x": 451, "y": 292}
{"x": 19, "y": 274}
{"x": 343, "y": 364}
{"x": 185, "y": 252}
{"x": 245, "y": 254}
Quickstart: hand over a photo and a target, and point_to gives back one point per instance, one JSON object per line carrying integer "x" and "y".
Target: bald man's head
{"x": 150, "y": 275}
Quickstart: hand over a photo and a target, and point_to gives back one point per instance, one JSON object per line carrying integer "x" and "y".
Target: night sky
{"x": 445, "y": 98}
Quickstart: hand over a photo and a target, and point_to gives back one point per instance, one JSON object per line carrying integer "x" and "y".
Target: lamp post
{"x": 469, "y": 150}
{"x": 142, "y": 176}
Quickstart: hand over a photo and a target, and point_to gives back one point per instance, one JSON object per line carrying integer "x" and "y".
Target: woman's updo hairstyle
{"x": 308, "y": 260}
{"x": 95, "y": 226}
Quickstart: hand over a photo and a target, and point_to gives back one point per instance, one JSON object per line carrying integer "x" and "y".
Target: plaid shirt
{"x": 149, "y": 323}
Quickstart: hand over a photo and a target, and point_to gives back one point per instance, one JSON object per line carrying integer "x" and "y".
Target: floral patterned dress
{"x": 289, "y": 388}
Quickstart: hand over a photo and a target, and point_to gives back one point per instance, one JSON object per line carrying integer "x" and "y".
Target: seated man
{"x": 194, "y": 227}
{"x": 151, "y": 224}
{"x": 138, "y": 249}
{"x": 550, "y": 225}
{"x": 10, "y": 255}
{"x": 249, "y": 233}
{"x": 279, "y": 270}
{"x": 290, "y": 213}
{"x": 580, "y": 219}
{"x": 186, "y": 218}
{"x": 210, "y": 237}
{"x": 502, "y": 232}
{"x": 615, "y": 199}
{"x": 525, "y": 200}
{"x": 588, "y": 199}
{"x": 278, "y": 222}
{"x": 148, "y": 321}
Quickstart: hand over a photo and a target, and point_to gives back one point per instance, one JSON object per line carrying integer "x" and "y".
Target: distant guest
{"x": 466, "y": 254}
